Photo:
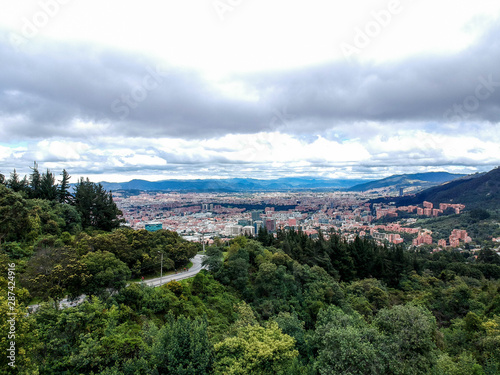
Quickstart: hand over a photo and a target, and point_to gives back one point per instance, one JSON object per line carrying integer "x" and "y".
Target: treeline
{"x": 40, "y": 185}
{"x": 94, "y": 205}
{"x": 74, "y": 247}
{"x": 364, "y": 258}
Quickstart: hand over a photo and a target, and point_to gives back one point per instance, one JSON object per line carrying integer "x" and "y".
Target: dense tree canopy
{"x": 284, "y": 304}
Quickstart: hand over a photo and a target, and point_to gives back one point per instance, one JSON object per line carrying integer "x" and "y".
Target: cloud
{"x": 103, "y": 112}
{"x": 262, "y": 155}
{"x": 50, "y": 91}
{"x": 424, "y": 88}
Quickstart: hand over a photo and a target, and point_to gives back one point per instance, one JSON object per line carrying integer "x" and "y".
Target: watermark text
{"x": 11, "y": 315}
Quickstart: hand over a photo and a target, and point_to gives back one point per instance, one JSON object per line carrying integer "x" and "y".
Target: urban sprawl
{"x": 206, "y": 216}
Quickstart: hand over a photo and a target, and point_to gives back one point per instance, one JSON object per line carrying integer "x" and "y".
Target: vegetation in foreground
{"x": 284, "y": 305}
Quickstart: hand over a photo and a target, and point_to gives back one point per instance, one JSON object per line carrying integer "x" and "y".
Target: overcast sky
{"x": 117, "y": 90}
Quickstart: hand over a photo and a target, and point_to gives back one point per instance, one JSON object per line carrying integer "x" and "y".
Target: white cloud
{"x": 144, "y": 161}
{"x": 263, "y": 155}
{"x": 58, "y": 150}
{"x": 266, "y": 91}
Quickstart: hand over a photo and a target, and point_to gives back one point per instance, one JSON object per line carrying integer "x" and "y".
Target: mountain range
{"x": 410, "y": 182}
{"x": 235, "y": 184}
{"x": 480, "y": 190}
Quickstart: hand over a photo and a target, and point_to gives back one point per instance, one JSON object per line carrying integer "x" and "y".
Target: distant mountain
{"x": 235, "y": 184}
{"x": 480, "y": 190}
{"x": 409, "y": 182}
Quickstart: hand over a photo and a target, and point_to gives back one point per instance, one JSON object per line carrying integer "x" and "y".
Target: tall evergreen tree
{"x": 48, "y": 187}
{"x": 84, "y": 201}
{"x": 35, "y": 181}
{"x": 14, "y": 183}
{"x": 64, "y": 195}
{"x": 96, "y": 206}
{"x": 2, "y": 179}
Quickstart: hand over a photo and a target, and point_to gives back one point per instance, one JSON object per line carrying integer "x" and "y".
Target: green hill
{"x": 481, "y": 190}
{"x": 409, "y": 182}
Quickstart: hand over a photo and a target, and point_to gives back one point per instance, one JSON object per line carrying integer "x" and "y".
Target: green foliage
{"x": 213, "y": 259}
{"x": 290, "y": 304}
{"x": 347, "y": 344}
{"x": 291, "y": 325}
{"x": 15, "y": 183}
{"x": 488, "y": 256}
{"x": 15, "y": 250}
{"x": 85, "y": 339}
{"x": 105, "y": 272}
{"x": 367, "y": 296}
{"x": 14, "y": 216}
{"x": 139, "y": 250}
{"x": 255, "y": 350}
{"x": 182, "y": 347}
{"x": 63, "y": 194}
{"x": 464, "y": 365}
{"x": 347, "y": 261}
{"x": 48, "y": 188}
{"x": 479, "y": 214}
{"x": 22, "y": 336}
{"x": 54, "y": 272}
{"x": 95, "y": 206}
{"x": 410, "y": 338}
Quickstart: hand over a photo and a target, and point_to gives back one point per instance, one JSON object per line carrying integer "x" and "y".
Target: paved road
{"x": 196, "y": 267}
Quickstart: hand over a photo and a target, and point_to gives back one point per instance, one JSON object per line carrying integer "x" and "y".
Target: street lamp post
{"x": 203, "y": 239}
{"x": 161, "y": 268}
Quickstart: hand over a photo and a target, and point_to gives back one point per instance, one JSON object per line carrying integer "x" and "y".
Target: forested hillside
{"x": 284, "y": 304}
{"x": 475, "y": 191}
{"x": 416, "y": 181}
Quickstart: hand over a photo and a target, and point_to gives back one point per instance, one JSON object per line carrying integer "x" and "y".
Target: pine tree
{"x": 64, "y": 195}
{"x": 35, "y": 181}
{"x": 96, "y": 206}
{"x": 14, "y": 183}
{"x": 84, "y": 201}
{"x": 48, "y": 187}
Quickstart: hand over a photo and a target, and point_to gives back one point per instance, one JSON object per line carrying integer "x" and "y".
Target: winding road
{"x": 195, "y": 268}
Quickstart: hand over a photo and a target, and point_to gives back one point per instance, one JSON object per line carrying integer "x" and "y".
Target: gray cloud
{"x": 417, "y": 89}
{"x": 42, "y": 92}
{"x": 50, "y": 89}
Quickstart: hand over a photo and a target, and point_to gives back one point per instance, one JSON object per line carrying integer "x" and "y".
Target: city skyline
{"x": 226, "y": 88}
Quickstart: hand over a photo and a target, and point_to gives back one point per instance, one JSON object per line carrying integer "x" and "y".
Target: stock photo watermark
{"x": 373, "y": 28}
{"x": 281, "y": 117}
{"x": 11, "y": 315}
{"x": 221, "y": 7}
{"x": 471, "y": 103}
{"x": 127, "y": 102}
{"x": 31, "y": 26}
